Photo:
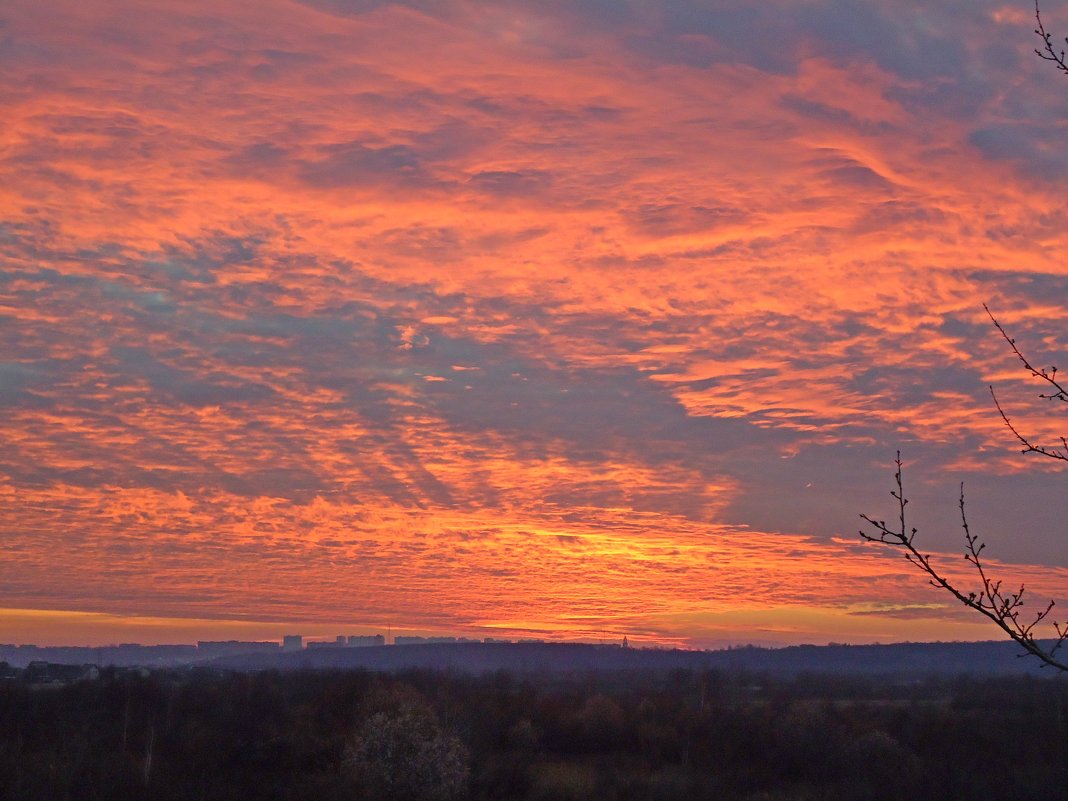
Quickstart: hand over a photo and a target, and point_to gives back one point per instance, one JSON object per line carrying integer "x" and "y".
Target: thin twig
{"x": 1057, "y": 393}
{"x": 1048, "y": 51}
{"x": 1002, "y": 608}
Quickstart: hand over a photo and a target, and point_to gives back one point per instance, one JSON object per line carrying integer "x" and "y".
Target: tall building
{"x": 366, "y": 640}
{"x": 317, "y": 644}
{"x": 207, "y": 648}
{"x": 413, "y": 640}
{"x": 293, "y": 642}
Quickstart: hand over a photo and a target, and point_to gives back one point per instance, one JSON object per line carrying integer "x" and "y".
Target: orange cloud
{"x": 484, "y": 316}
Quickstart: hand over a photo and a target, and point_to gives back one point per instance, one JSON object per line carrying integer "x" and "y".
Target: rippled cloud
{"x": 557, "y": 318}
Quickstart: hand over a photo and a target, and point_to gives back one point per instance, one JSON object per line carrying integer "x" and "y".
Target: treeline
{"x": 422, "y": 735}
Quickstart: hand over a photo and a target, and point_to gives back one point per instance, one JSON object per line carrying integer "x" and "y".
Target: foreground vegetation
{"x": 685, "y": 735}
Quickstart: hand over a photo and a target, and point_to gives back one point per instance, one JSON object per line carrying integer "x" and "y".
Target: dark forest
{"x": 206, "y": 735}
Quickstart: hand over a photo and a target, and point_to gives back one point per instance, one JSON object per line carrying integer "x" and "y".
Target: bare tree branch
{"x": 1057, "y": 392}
{"x": 1048, "y": 52}
{"x": 1003, "y": 608}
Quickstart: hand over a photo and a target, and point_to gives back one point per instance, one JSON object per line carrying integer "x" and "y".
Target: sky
{"x": 565, "y": 320}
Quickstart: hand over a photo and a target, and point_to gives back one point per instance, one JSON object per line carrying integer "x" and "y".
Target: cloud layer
{"x": 564, "y": 317}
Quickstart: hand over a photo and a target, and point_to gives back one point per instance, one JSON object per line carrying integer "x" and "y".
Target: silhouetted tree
{"x": 1003, "y": 607}
{"x": 402, "y": 753}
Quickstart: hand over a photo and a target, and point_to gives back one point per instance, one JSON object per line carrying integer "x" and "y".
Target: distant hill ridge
{"x": 978, "y": 658}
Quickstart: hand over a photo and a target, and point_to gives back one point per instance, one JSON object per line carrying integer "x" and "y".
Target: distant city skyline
{"x": 100, "y": 630}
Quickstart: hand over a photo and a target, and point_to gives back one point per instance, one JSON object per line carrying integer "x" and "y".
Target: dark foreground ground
{"x": 204, "y": 734}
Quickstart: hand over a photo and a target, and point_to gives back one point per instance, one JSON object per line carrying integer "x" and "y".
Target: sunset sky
{"x": 545, "y": 319}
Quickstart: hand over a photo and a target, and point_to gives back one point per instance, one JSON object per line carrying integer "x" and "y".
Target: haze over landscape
{"x": 560, "y": 320}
